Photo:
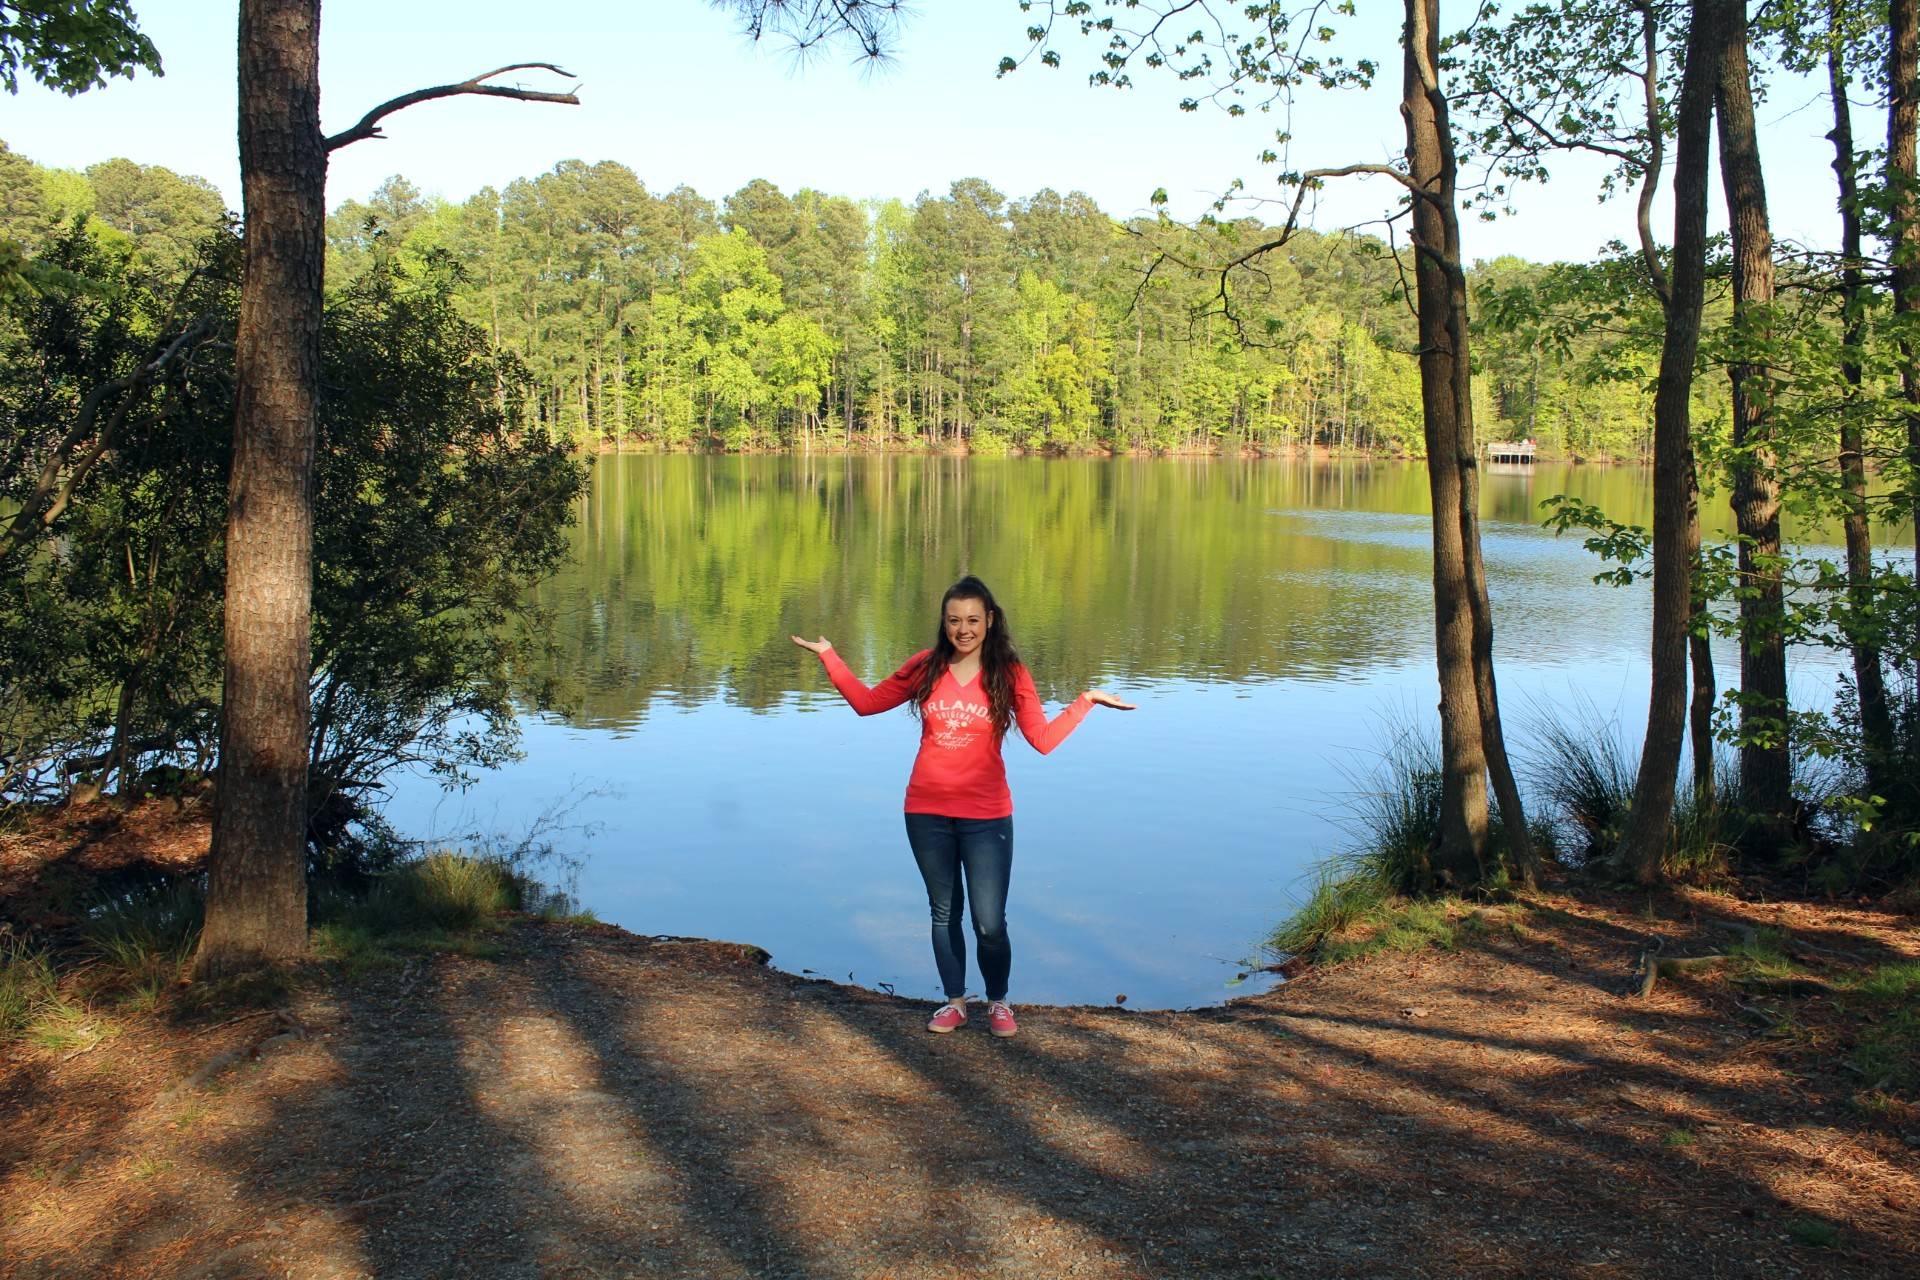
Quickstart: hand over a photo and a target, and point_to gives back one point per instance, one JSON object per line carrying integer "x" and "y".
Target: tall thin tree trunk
{"x": 1643, "y": 844}
{"x": 1903, "y": 110}
{"x": 256, "y": 886}
{"x": 1766, "y": 769}
{"x": 1700, "y": 650}
{"x": 1876, "y": 722}
{"x": 1462, "y": 854}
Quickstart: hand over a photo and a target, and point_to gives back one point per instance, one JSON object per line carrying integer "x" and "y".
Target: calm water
{"x": 1270, "y": 618}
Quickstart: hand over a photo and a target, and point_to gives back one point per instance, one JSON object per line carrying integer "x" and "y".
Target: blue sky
{"x": 672, "y": 90}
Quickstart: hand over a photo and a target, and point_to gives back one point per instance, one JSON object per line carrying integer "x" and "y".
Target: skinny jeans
{"x": 982, "y": 850}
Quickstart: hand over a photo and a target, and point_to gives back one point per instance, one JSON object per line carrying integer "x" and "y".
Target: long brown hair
{"x": 997, "y": 656}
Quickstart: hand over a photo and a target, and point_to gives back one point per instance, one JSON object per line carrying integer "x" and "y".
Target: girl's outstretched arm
{"x": 885, "y": 696}
{"x": 1031, "y": 716}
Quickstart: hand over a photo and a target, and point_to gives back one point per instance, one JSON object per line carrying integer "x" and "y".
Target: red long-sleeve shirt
{"x": 959, "y": 772}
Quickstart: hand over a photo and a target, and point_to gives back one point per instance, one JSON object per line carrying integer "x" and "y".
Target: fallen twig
{"x": 1652, "y": 967}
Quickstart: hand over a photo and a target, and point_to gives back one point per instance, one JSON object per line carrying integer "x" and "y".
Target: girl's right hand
{"x": 818, "y": 646}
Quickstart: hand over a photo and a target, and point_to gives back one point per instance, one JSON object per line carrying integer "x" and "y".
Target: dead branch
{"x": 1652, "y": 967}
{"x": 369, "y": 125}
{"x": 50, "y": 495}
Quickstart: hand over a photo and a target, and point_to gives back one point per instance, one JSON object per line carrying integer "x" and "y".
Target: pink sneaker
{"x": 949, "y": 1018}
{"x": 1000, "y": 1019}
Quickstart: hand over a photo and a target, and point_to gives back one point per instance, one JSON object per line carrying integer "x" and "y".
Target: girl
{"x": 967, "y": 690}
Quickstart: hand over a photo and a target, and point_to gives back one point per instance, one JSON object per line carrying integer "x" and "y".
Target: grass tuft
{"x": 29, "y": 987}
{"x": 1886, "y": 1052}
{"x": 1814, "y": 1233}
{"x": 443, "y": 891}
{"x": 1345, "y": 893}
{"x": 146, "y": 932}
{"x": 1584, "y": 777}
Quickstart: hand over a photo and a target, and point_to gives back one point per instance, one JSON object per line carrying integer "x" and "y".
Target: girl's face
{"x": 966, "y": 622}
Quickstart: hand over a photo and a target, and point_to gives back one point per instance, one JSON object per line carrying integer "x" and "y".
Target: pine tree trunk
{"x": 1766, "y": 769}
{"x": 1643, "y": 845}
{"x": 256, "y": 886}
{"x": 1903, "y": 107}
{"x": 1462, "y": 854}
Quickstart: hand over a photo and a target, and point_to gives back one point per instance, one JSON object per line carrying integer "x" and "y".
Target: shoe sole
{"x": 1004, "y": 1035}
{"x": 941, "y": 1031}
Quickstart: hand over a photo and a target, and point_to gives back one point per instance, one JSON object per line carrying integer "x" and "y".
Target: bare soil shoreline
{"x": 586, "y": 1102}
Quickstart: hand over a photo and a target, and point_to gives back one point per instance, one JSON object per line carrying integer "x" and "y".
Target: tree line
{"x": 960, "y": 320}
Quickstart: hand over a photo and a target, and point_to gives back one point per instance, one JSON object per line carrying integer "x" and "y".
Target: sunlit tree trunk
{"x": 1643, "y": 844}
{"x": 1903, "y": 108}
{"x": 1462, "y": 853}
{"x": 256, "y": 888}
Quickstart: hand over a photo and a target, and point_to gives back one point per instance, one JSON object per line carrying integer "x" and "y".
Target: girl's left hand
{"x": 1101, "y": 698}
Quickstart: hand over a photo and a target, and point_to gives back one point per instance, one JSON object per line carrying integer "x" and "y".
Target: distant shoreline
{"x": 1318, "y": 453}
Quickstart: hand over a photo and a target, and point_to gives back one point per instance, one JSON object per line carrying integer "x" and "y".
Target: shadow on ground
{"x": 591, "y": 1104}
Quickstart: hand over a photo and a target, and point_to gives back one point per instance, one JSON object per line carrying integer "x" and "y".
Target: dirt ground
{"x": 588, "y": 1103}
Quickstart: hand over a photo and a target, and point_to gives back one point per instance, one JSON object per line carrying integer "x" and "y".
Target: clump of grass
{"x": 146, "y": 931}
{"x": 148, "y": 1166}
{"x": 444, "y": 891}
{"x": 29, "y": 987}
{"x": 64, "y": 1026}
{"x": 1887, "y": 1050}
{"x": 1678, "y": 1138}
{"x": 1345, "y": 892}
{"x": 1584, "y": 777}
{"x": 1367, "y": 900}
{"x": 1405, "y": 924}
{"x": 1814, "y": 1233}
{"x": 1397, "y": 814}
{"x": 442, "y": 902}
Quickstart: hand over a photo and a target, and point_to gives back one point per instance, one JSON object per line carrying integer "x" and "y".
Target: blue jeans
{"x": 983, "y": 848}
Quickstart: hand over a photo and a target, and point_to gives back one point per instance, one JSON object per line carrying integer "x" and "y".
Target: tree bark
{"x": 1766, "y": 769}
{"x": 1462, "y": 853}
{"x": 256, "y": 888}
{"x": 1643, "y": 844}
{"x": 1876, "y": 722}
{"x": 1903, "y": 107}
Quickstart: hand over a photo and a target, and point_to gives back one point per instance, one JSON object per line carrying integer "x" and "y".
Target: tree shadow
{"x": 592, "y": 1105}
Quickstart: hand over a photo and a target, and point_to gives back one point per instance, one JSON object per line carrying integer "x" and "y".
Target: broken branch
{"x": 369, "y": 125}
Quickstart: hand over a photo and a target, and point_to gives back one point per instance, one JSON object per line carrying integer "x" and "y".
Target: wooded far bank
{"x": 961, "y": 321}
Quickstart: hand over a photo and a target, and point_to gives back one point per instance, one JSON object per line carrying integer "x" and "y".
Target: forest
{"x": 963, "y": 321}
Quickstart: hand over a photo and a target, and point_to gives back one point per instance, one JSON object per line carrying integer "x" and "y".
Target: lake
{"x": 1273, "y": 619}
